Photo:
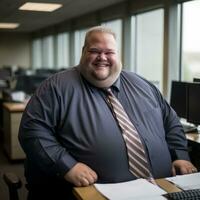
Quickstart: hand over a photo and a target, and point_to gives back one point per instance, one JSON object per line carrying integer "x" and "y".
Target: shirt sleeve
{"x": 175, "y": 135}
{"x": 38, "y": 132}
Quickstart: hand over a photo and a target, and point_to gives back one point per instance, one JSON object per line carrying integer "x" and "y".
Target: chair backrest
{"x": 14, "y": 183}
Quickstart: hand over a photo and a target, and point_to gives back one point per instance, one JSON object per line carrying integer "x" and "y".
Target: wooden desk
{"x": 194, "y": 137}
{"x": 90, "y": 192}
{"x": 12, "y": 113}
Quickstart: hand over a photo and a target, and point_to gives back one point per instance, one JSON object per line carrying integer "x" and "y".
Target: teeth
{"x": 101, "y": 65}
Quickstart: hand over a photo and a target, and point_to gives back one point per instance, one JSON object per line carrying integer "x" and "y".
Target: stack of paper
{"x": 138, "y": 189}
{"x": 186, "y": 182}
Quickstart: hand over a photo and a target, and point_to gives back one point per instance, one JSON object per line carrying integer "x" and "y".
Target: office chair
{"x": 14, "y": 183}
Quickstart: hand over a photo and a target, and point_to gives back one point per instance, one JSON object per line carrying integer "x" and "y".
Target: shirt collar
{"x": 115, "y": 85}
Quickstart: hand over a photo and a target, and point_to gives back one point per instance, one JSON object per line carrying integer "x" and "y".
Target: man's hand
{"x": 183, "y": 167}
{"x": 81, "y": 175}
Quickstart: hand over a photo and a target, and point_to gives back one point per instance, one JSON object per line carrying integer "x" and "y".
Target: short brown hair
{"x": 101, "y": 29}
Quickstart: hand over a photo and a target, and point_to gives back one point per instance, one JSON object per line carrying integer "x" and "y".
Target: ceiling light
{"x": 9, "y": 25}
{"x": 45, "y": 7}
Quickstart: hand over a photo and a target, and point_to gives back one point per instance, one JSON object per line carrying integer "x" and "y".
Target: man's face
{"x": 100, "y": 63}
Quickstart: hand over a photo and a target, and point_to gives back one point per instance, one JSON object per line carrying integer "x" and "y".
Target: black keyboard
{"x": 189, "y": 129}
{"x": 193, "y": 194}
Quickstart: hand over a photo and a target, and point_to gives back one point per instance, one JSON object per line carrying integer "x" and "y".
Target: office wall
{"x": 15, "y": 49}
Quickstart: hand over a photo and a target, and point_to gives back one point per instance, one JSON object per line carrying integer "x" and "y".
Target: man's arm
{"x": 176, "y": 140}
{"x": 38, "y": 136}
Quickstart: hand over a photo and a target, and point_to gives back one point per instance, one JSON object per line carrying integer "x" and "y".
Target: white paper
{"x": 186, "y": 182}
{"x": 18, "y": 96}
{"x": 138, "y": 189}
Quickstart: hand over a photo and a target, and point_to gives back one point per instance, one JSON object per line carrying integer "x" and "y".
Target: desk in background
{"x": 12, "y": 113}
{"x": 193, "y": 137}
{"x": 90, "y": 192}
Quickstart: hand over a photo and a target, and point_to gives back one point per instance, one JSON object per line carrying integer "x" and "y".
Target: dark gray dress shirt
{"x": 68, "y": 120}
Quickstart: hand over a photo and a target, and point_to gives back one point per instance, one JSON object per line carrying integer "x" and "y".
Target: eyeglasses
{"x": 107, "y": 52}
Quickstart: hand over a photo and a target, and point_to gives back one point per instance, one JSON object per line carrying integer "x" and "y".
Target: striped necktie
{"x": 138, "y": 164}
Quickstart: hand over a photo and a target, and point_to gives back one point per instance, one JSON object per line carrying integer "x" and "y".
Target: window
{"x": 43, "y": 53}
{"x": 79, "y": 39}
{"x": 191, "y": 40}
{"x": 148, "y": 32}
{"x": 62, "y": 53}
{"x": 48, "y": 52}
{"x": 36, "y": 53}
{"x": 116, "y": 26}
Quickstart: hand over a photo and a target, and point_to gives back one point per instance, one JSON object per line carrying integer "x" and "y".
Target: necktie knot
{"x": 109, "y": 91}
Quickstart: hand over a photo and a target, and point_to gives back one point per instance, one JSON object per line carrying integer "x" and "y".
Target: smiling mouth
{"x": 101, "y": 65}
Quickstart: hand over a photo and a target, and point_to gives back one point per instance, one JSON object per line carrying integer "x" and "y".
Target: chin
{"x": 103, "y": 82}
{"x": 101, "y": 75}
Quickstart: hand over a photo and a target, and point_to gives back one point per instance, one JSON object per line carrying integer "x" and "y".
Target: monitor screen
{"x": 178, "y": 99}
{"x": 29, "y": 83}
{"x": 5, "y": 74}
{"x": 44, "y": 71}
{"x": 196, "y": 80}
{"x": 193, "y": 113}
{"x": 34, "y": 82}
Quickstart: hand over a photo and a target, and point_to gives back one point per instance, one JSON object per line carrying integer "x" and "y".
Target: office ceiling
{"x": 33, "y": 21}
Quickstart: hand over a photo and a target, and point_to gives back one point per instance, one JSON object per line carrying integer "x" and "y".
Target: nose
{"x": 102, "y": 56}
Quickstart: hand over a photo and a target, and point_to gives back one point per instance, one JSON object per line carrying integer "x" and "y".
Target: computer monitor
{"x": 5, "y": 78}
{"x": 193, "y": 111}
{"x": 35, "y": 81}
{"x": 5, "y": 73}
{"x": 196, "y": 80}
{"x": 178, "y": 100}
{"x": 21, "y": 83}
{"x": 47, "y": 72}
{"x": 29, "y": 83}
